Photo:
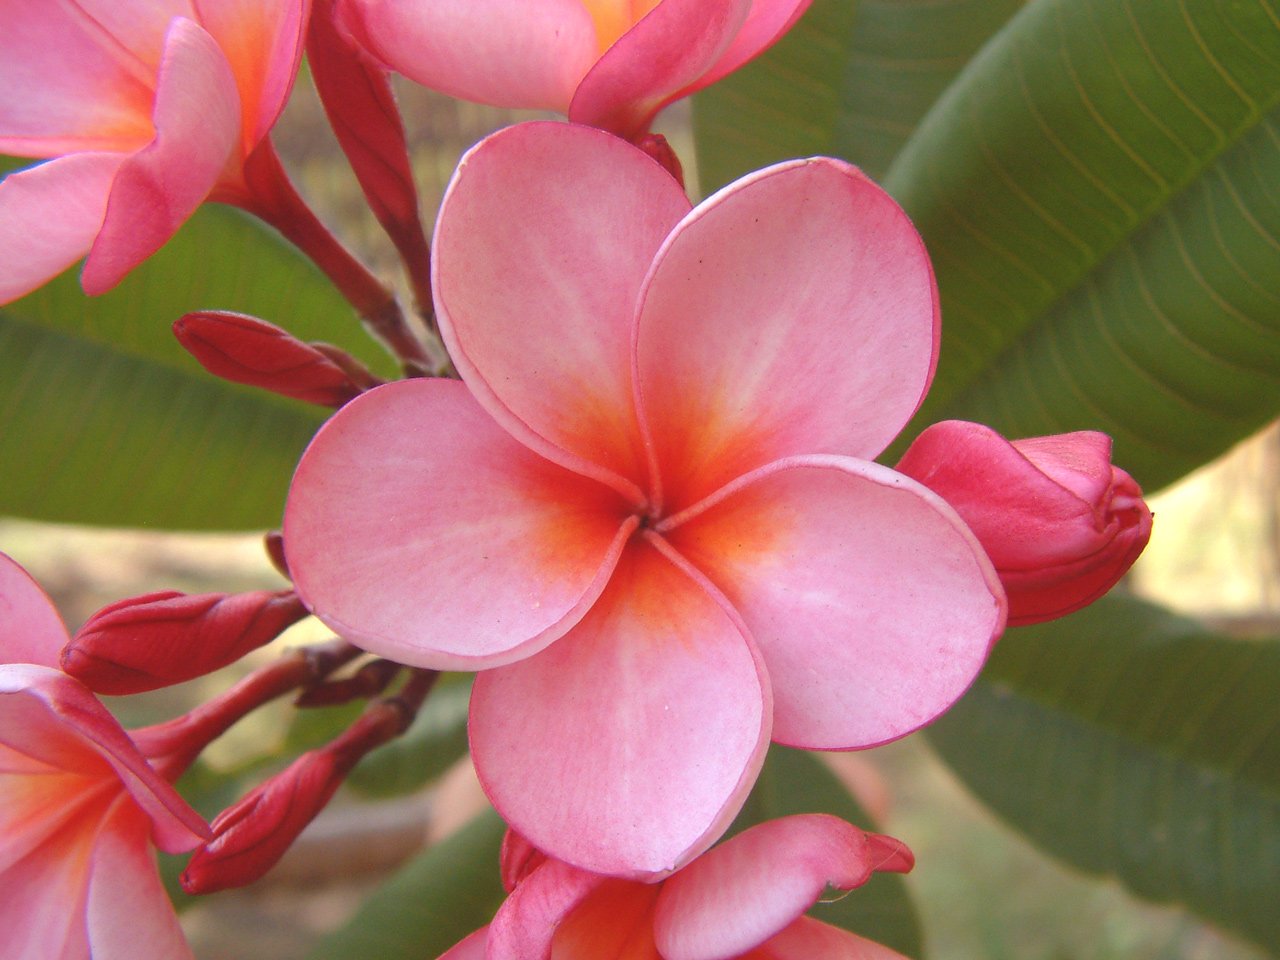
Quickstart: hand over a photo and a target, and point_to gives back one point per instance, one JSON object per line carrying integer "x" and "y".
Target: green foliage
{"x": 794, "y": 781}
{"x": 106, "y": 420}
{"x": 431, "y": 904}
{"x": 1130, "y": 742}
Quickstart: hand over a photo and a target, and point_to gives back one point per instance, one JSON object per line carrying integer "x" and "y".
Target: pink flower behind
{"x": 143, "y": 110}
{"x": 80, "y": 808}
{"x": 649, "y": 515}
{"x": 743, "y": 900}
{"x": 608, "y": 63}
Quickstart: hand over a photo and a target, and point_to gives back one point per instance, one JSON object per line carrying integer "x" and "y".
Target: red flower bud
{"x": 248, "y": 350}
{"x": 159, "y": 639}
{"x": 1060, "y": 523}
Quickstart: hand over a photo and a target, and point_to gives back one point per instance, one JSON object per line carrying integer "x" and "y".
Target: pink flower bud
{"x": 247, "y": 350}
{"x": 159, "y": 639}
{"x": 1059, "y": 522}
{"x": 250, "y": 837}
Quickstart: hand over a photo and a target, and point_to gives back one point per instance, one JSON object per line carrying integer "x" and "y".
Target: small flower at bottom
{"x": 744, "y": 899}
{"x": 1059, "y": 521}
{"x": 649, "y": 514}
{"x": 80, "y": 807}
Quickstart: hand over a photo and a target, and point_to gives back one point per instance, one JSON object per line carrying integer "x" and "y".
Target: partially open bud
{"x": 1059, "y": 522}
{"x": 159, "y": 639}
{"x": 247, "y": 350}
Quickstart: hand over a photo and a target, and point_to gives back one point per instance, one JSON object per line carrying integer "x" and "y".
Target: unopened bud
{"x": 159, "y": 639}
{"x": 656, "y": 146}
{"x": 247, "y": 350}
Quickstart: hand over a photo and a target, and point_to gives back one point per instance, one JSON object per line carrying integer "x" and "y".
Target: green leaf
{"x": 851, "y": 79}
{"x": 431, "y": 904}
{"x": 794, "y": 781}
{"x": 436, "y": 740}
{"x": 1128, "y": 741}
{"x": 106, "y": 420}
{"x": 1098, "y": 190}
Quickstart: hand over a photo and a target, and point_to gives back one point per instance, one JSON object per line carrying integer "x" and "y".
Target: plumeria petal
{"x": 527, "y": 920}
{"x": 30, "y": 629}
{"x": 872, "y": 603}
{"x": 262, "y": 40}
{"x": 49, "y": 216}
{"x": 55, "y": 719}
{"x": 614, "y": 923}
{"x": 746, "y": 890}
{"x": 127, "y": 904}
{"x": 542, "y": 243}
{"x": 627, "y": 746}
{"x": 807, "y": 939}
{"x": 769, "y": 20}
{"x": 794, "y": 312}
{"x": 509, "y": 53}
{"x": 197, "y": 120}
{"x": 66, "y": 84}
{"x": 417, "y": 528}
{"x": 664, "y": 53}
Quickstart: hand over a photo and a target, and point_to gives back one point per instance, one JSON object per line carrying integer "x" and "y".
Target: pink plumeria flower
{"x": 143, "y": 109}
{"x": 608, "y": 63}
{"x": 80, "y": 807}
{"x": 649, "y": 514}
{"x": 742, "y": 900}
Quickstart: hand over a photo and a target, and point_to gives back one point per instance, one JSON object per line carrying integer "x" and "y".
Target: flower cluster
{"x": 646, "y": 512}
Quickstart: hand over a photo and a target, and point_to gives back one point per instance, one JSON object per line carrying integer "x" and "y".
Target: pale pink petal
{"x": 508, "y": 53}
{"x": 418, "y": 529}
{"x": 55, "y": 719}
{"x": 744, "y": 891}
{"x": 527, "y": 920}
{"x": 262, "y": 40}
{"x": 472, "y": 948}
{"x": 873, "y": 605}
{"x": 67, "y": 84}
{"x": 30, "y": 629}
{"x": 809, "y": 939}
{"x": 665, "y": 52}
{"x": 768, "y": 21}
{"x": 127, "y": 904}
{"x": 541, "y": 246}
{"x": 49, "y": 216}
{"x": 136, "y": 28}
{"x": 628, "y": 745}
{"x": 793, "y": 313}
{"x": 197, "y": 120}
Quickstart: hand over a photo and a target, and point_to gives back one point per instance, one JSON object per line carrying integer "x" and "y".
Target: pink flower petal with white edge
{"x": 809, "y": 939}
{"x": 197, "y": 120}
{"x": 668, "y": 50}
{"x": 472, "y": 948}
{"x": 65, "y": 85}
{"x": 792, "y": 313}
{"x": 419, "y": 529}
{"x": 627, "y": 746}
{"x": 543, "y": 240}
{"x": 49, "y": 216}
{"x": 508, "y": 53}
{"x": 127, "y": 904}
{"x": 527, "y": 920}
{"x": 30, "y": 629}
{"x": 871, "y": 602}
{"x": 262, "y": 41}
{"x": 55, "y": 719}
{"x": 768, "y": 21}
{"x": 749, "y": 888}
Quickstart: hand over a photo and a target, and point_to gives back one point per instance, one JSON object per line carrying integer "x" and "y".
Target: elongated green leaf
{"x": 852, "y": 79}
{"x": 1131, "y": 742}
{"x": 1097, "y": 190}
{"x": 439, "y": 898}
{"x": 794, "y": 781}
{"x": 105, "y": 418}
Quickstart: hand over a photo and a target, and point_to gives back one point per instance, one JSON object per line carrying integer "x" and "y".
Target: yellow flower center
{"x": 613, "y": 18}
